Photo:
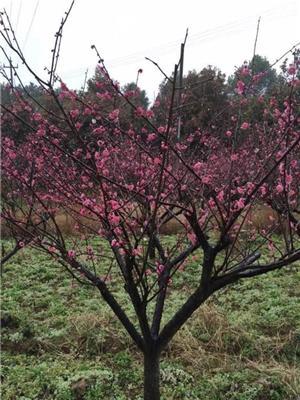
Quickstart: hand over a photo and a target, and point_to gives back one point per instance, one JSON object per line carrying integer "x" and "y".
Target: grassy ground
{"x": 61, "y": 342}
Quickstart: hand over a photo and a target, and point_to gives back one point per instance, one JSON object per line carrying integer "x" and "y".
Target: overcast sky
{"x": 221, "y": 33}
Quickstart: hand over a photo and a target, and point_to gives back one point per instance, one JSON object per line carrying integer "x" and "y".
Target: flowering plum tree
{"x": 123, "y": 184}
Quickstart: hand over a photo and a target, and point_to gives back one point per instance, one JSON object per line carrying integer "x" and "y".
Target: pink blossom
{"x": 114, "y": 219}
{"x": 90, "y": 250}
{"x": 137, "y": 251}
{"x": 281, "y": 168}
{"x": 271, "y": 246}
{"x": 206, "y": 179}
{"x": 151, "y": 137}
{"x": 37, "y": 117}
{"x": 12, "y": 155}
{"x": 161, "y": 129}
{"x": 291, "y": 69}
{"x": 104, "y": 96}
{"x": 211, "y": 203}
{"x": 257, "y": 77}
{"x": 140, "y": 111}
{"x": 99, "y": 130}
{"x": 71, "y": 253}
{"x": 261, "y": 99}
{"x": 87, "y": 203}
{"x": 115, "y": 243}
{"x": 291, "y": 193}
{"x": 118, "y": 231}
{"x": 149, "y": 114}
{"x": 87, "y": 111}
{"x": 129, "y": 93}
{"x": 114, "y": 115}
{"x": 263, "y": 190}
{"x": 197, "y": 167}
{"x": 228, "y": 133}
{"x": 114, "y": 205}
{"x": 289, "y": 179}
{"x": 105, "y": 153}
{"x": 220, "y": 196}
{"x": 240, "y": 203}
{"x": 245, "y": 70}
{"x": 294, "y": 163}
{"x": 160, "y": 269}
{"x": 245, "y": 125}
{"x": 63, "y": 86}
{"x": 74, "y": 113}
{"x": 192, "y": 237}
{"x": 240, "y": 87}
{"x": 41, "y": 132}
{"x": 250, "y": 186}
{"x": 279, "y": 188}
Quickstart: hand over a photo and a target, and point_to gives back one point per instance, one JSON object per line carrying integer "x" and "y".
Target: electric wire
{"x": 18, "y": 15}
{"x": 31, "y": 24}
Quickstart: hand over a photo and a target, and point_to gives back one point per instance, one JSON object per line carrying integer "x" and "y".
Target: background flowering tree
{"x": 123, "y": 182}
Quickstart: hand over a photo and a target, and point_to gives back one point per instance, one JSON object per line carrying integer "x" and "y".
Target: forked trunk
{"x": 151, "y": 376}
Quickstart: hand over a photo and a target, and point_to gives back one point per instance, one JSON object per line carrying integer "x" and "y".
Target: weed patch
{"x": 61, "y": 342}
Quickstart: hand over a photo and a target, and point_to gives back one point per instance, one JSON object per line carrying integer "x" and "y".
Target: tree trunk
{"x": 151, "y": 251}
{"x": 151, "y": 376}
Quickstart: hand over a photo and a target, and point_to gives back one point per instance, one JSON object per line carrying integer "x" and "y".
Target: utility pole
{"x": 85, "y": 80}
{"x": 180, "y": 85}
{"x": 12, "y": 68}
{"x": 180, "y": 90}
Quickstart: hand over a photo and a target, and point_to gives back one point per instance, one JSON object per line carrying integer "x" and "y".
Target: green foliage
{"x": 61, "y": 342}
{"x": 204, "y": 97}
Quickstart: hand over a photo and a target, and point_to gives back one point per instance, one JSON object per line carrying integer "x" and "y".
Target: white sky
{"x": 221, "y": 33}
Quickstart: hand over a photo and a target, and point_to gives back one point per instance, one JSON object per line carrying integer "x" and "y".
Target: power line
{"x": 194, "y": 39}
{"x": 167, "y": 48}
{"x": 204, "y": 36}
{"x": 18, "y": 15}
{"x": 10, "y": 9}
{"x": 31, "y": 23}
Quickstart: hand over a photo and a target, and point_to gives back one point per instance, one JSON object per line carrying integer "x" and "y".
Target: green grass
{"x": 61, "y": 342}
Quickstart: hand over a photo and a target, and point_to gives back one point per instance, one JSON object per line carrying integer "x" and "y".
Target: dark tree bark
{"x": 152, "y": 251}
{"x": 151, "y": 376}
